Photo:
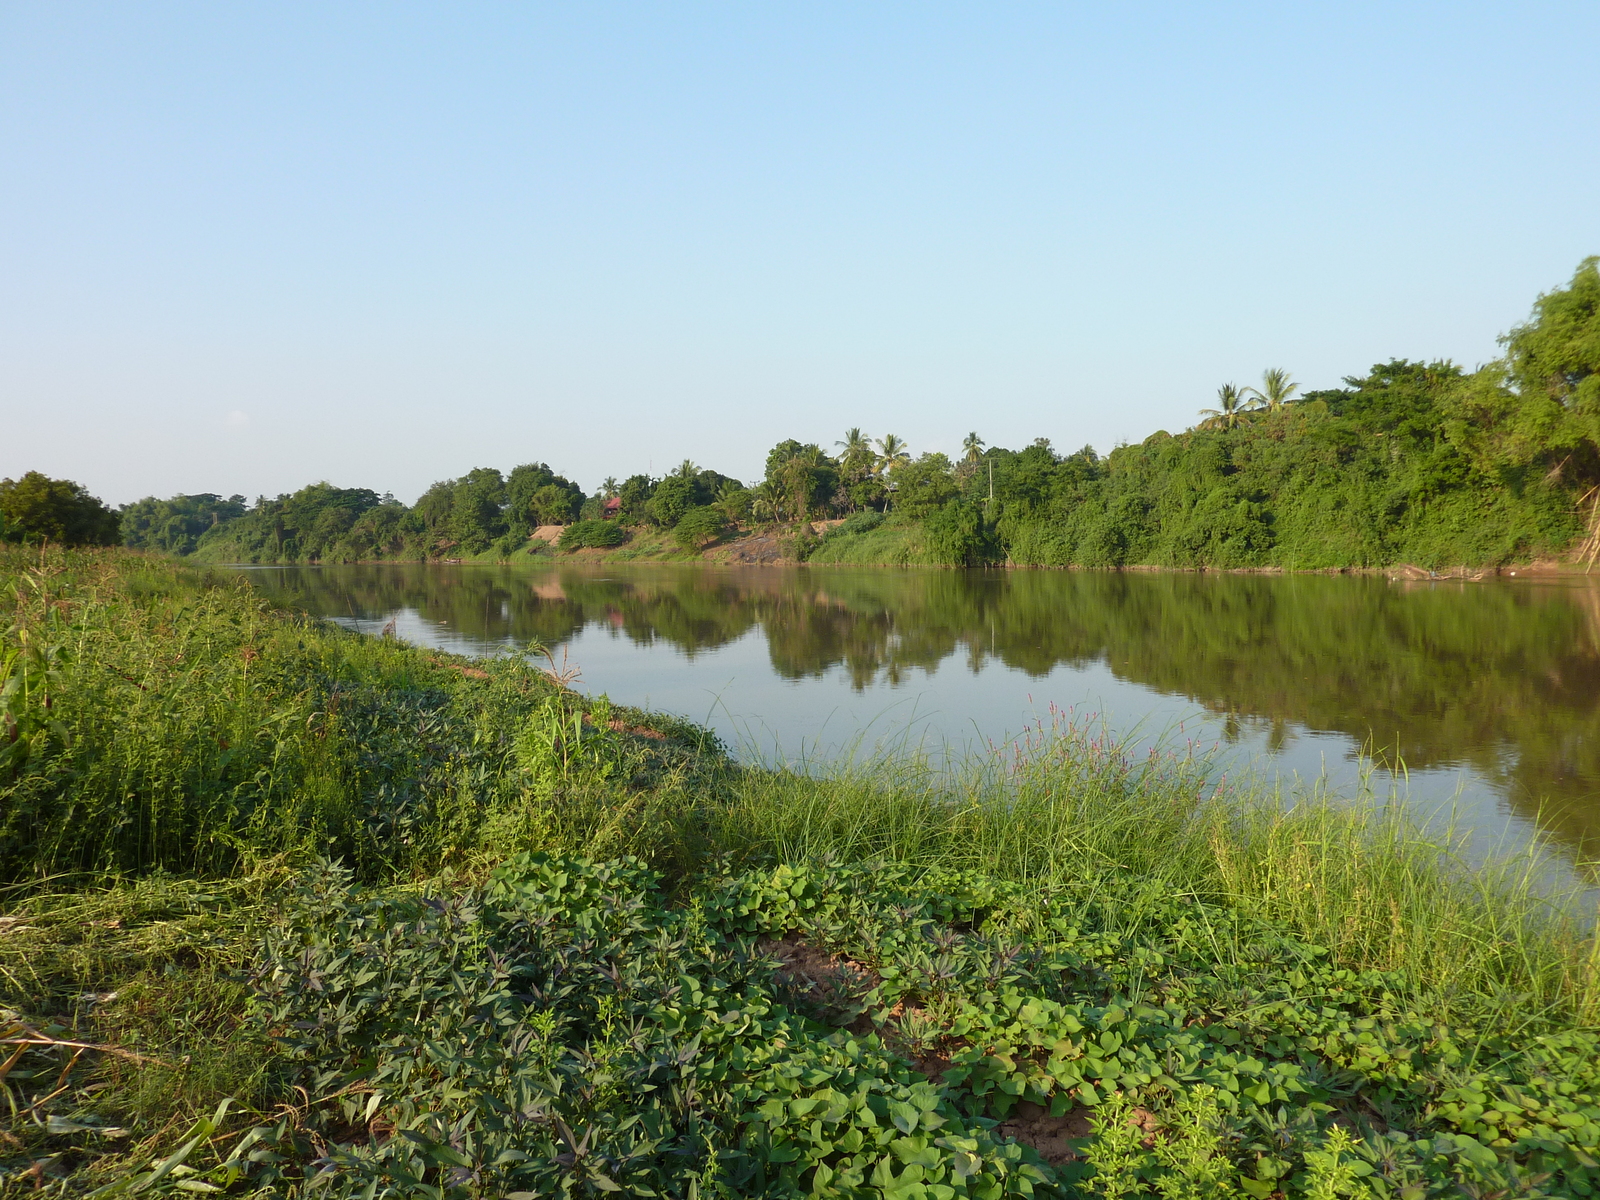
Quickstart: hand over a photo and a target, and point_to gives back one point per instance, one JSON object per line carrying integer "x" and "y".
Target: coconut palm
{"x": 857, "y": 458}
{"x": 1230, "y": 408}
{"x": 767, "y": 501}
{"x": 1276, "y": 390}
{"x": 686, "y": 470}
{"x": 973, "y": 445}
{"x": 854, "y": 442}
{"x": 609, "y": 487}
{"x": 892, "y": 454}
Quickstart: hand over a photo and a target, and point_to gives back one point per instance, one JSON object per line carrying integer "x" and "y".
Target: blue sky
{"x": 248, "y": 246}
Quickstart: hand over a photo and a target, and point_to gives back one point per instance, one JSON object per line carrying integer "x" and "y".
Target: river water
{"x": 1480, "y": 700}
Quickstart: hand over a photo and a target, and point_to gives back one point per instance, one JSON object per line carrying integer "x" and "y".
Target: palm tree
{"x": 686, "y": 470}
{"x": 767, "y": 502}
{"x": 609, "y": 487}
{"x": 1276, "y": 390}
{"x": 857, "y": 458}
{"x": 1230, "y": 410}
{"x": 892, "y": 454}
{"x": 973, "y": 445}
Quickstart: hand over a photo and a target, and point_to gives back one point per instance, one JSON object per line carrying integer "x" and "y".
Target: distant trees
{"x": 37, "y": 508}
{"x": 176, "y": 526}
{"x": 1415, "y": 461}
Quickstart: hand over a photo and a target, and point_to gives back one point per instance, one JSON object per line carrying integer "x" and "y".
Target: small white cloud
{"x": 238, "y": 420}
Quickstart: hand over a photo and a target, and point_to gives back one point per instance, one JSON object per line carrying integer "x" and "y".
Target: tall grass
{"x": 199, "y": 731}
{"x": 1068, "y": 807}
{"x": 199, "y": 749}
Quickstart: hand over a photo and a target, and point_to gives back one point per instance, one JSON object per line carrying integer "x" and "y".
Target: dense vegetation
{"x": 292, "y": 912}
{"x": 1411, "y": 462}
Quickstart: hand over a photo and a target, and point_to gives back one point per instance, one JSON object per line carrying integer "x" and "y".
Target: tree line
{"x": 1412, "y": 461}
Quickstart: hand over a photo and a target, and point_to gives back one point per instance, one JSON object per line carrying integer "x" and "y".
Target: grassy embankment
{"x": 545, "y": 961}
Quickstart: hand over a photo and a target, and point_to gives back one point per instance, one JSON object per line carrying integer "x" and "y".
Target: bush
{"x": 956, "y": 535}
{"x": 591, "y": 533}
{"x": 699, "y": 527}
{"x": 864, "y": 521}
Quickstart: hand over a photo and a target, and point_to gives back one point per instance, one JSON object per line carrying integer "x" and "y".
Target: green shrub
{"x": 591, "y": 533}
{"x": 699, "y": 527}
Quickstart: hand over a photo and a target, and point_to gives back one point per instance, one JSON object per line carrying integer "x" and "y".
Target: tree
{"x": 37, "y": 508}
{"x": 531, "y": 480}
{"x": 805, "y": 477}
{"x": 699, "y": 527}
{"x": 972, "y": 448}
{"x": 1230, "y": 408}
{"x": 857, "y": 460}
{"x": 553, "y": 505}
{"x": 635, "y": 494}
{"x": 767, "y": 501}
{"x": 1276, "y": 390}
{"x": 733, "y": 500}
{"x": 892, "y": 454}
{"x": 924, "y": 485}
{"x": 477, "y": 515}
{"x": 674, "y": 496}
{"x": 1539, "y": 405}
{"x": 609, "y": 487}
{"x": 176, "y": 526}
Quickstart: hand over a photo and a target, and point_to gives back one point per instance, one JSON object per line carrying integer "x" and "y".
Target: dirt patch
{"x": 829, "y": 982}
{"x": 654, "y": 735}
{"x": 470, "y": 672}
{"x": 547, "y": 533}
{"x": 1032, "y": 1125}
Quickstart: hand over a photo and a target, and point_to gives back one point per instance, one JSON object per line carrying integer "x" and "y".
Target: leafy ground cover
{"x": 295, "y": 912}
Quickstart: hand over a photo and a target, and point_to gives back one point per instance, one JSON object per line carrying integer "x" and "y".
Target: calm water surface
{"x": 1487, "y": 693}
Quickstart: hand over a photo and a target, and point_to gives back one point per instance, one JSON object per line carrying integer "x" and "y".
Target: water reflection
{"x": 1497, "y": 682}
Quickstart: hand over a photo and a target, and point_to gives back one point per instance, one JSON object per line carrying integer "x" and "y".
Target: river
{"x": 1480, "y": 700}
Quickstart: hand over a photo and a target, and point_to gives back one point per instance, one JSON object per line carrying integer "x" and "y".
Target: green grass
{"x": 185, "y": 756}
{"x": 898, "y": 542}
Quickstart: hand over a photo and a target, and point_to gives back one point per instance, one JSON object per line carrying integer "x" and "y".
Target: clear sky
{"x": 248, "y": 246}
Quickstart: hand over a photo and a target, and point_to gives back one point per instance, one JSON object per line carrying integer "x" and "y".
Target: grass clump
{"x": 291, "y": 911}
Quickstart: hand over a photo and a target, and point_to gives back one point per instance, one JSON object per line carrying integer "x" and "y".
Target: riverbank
{"x": 905, "y": 544}
{"x": 709, "y": 976}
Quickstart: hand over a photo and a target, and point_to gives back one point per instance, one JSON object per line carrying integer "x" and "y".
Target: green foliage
{"x": 800, "y": 482}
{"x": 1540, "y": 405}
{"x": 584, "y": 1029}
{"x": 699, "y": 527}
{"x": 320, "y": 523}
{"x": 536, "y": 495}
{"x": 957, "y": 536}
{"x": 707, "y": 980}
{"x": 923, "y": 486}
{"x": 582, "y": 534}
{"x": 1364, "y": 476}
{"x": 175, "y": 526}
{"x": 167, "y": 725}
{"x": 37, "y": 508}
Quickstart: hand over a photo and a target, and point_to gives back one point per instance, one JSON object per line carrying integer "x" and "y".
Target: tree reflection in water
{"x": 1502, "y": 677}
